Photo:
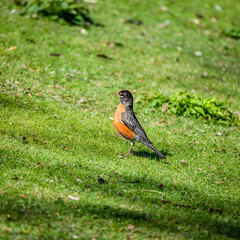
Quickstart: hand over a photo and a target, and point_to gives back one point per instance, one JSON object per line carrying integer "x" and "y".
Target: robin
{"x": 127, "y": 125}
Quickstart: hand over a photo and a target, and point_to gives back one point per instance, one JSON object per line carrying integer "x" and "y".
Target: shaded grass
{"x": 56, "y": 136}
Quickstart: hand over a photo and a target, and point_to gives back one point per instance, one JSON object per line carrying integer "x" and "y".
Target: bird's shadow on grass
{"x": 152, "y": 155}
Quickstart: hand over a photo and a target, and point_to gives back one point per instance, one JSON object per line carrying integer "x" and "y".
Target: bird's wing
{"x": 129, "y": 119}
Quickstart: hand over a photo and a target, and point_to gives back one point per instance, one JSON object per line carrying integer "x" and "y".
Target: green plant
{"x": 233, "y": 33}
{"x": 184, "y": 104}
{"x": 72, "y": 11}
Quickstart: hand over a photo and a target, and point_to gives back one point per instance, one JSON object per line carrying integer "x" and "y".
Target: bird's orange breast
{"x": 122, "y": 129}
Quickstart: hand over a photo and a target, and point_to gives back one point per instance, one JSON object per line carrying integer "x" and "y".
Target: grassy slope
{"x": 69, "y": 135}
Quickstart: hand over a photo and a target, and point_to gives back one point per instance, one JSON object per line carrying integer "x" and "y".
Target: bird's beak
{"x": 116, "y": 93}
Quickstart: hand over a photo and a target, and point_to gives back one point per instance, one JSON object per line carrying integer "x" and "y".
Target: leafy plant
{"x": 72, "y": 11}
{"x": 184, "y": 104}
{"x": 233, "y": 33}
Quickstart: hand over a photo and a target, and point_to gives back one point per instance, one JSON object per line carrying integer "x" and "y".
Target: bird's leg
{"x": 132, "y": 144}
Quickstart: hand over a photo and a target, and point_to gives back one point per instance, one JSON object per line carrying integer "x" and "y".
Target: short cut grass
{"x": 57, "y": 137}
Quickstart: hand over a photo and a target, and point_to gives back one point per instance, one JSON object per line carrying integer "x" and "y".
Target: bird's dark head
{"x": 126, "y": 97}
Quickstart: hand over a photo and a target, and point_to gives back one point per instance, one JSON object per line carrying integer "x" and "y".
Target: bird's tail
{"x": 156, "y": 151}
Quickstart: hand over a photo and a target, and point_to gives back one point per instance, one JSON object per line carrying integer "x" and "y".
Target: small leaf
{"x": 73, "y": 198}
{"x": 55, "y": 54}
{"x": 30, "y": 40}
{"x": 200, "y": 110}
{"x": 131, "y": 227}
{"x": 12, "y": 48}
{"x": 22, "y": 195}
{"x": 198, "y": 53}
{"x": 134, "y": 21}
{"x": 8, "y": 229}
{"x": 104, "y": 56}
{"x": 164, "y": 107}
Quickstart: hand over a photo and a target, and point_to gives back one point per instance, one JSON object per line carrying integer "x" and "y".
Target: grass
{"x": 56, "y": 135}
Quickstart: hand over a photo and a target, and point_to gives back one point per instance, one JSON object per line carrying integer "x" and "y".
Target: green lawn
{"x": 57, "y": 136}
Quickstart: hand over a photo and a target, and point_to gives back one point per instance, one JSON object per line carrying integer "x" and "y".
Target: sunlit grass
{"x": 57, "y": 137}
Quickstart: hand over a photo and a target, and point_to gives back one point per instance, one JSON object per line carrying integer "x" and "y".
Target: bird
{"x": 127, "y": 125}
